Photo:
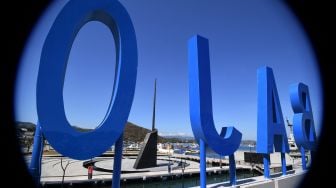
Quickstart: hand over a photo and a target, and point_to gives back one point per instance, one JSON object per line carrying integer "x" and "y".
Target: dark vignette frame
{"x": 20, "y": 19}
{"x": 316, "y": 18}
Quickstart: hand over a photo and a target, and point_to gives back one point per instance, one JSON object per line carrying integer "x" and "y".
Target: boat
{"x": 191, "y": 152}
{"x": 291, "y": 141}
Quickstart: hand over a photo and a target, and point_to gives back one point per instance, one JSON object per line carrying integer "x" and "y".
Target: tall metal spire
{"x": 147, "y": 156}
{"x": 154, "y": 104}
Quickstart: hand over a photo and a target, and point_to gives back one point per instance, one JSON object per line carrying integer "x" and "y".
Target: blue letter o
{"x": 54, "y": 57}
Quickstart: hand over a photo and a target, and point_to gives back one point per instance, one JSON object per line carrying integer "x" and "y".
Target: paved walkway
{"x": 75, "y": 172}
{"x": 52, "y": 170}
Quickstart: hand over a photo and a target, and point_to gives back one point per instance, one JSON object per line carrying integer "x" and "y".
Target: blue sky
{"x": 243, "y": 35}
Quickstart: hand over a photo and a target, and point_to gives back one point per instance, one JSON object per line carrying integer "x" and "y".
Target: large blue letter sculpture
{"x": 200, "y": 105}
{"x": 303, "y": 122}
{"x": 271, "y": 128}
{"x": 55, "y": 53}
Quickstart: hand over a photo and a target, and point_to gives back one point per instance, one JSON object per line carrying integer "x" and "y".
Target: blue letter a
{"x": 271, "y": 127}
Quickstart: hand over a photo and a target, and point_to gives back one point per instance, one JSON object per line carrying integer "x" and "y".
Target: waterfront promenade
{"x": 76, "y": 173}
{"x": 52, "y": 171}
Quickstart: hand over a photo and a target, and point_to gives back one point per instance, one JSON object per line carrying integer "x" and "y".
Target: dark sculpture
{"x": 147, "y": 154}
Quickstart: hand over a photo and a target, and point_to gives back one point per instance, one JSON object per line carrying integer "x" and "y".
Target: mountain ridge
{"x": 132, "y": 132}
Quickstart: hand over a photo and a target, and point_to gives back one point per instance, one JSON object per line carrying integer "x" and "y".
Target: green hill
{"x": 133, "y": 133}
{"x": 27, "y": 125}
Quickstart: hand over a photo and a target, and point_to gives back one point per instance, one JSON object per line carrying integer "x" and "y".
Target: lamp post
{"x": 220, "y": 161}
{"x": 169, "y": 169}
{"x": 182, "y": 168}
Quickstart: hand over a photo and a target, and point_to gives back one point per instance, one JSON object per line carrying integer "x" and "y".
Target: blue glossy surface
{"x": 283, "y": 164}
{"x": 55, "y": 53}
{"x": 266, "y": 160}
{"x": 200, "y": 101}
{"x": 303, "y": 121}
{"x": 202, "y": 164}
{"x": 271, "y": 127}
{"x": 118, "y": 150}
{"x": 36, "y": 159}
{"x": 303, "y": 158}
{"x": 232, "y": 165}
